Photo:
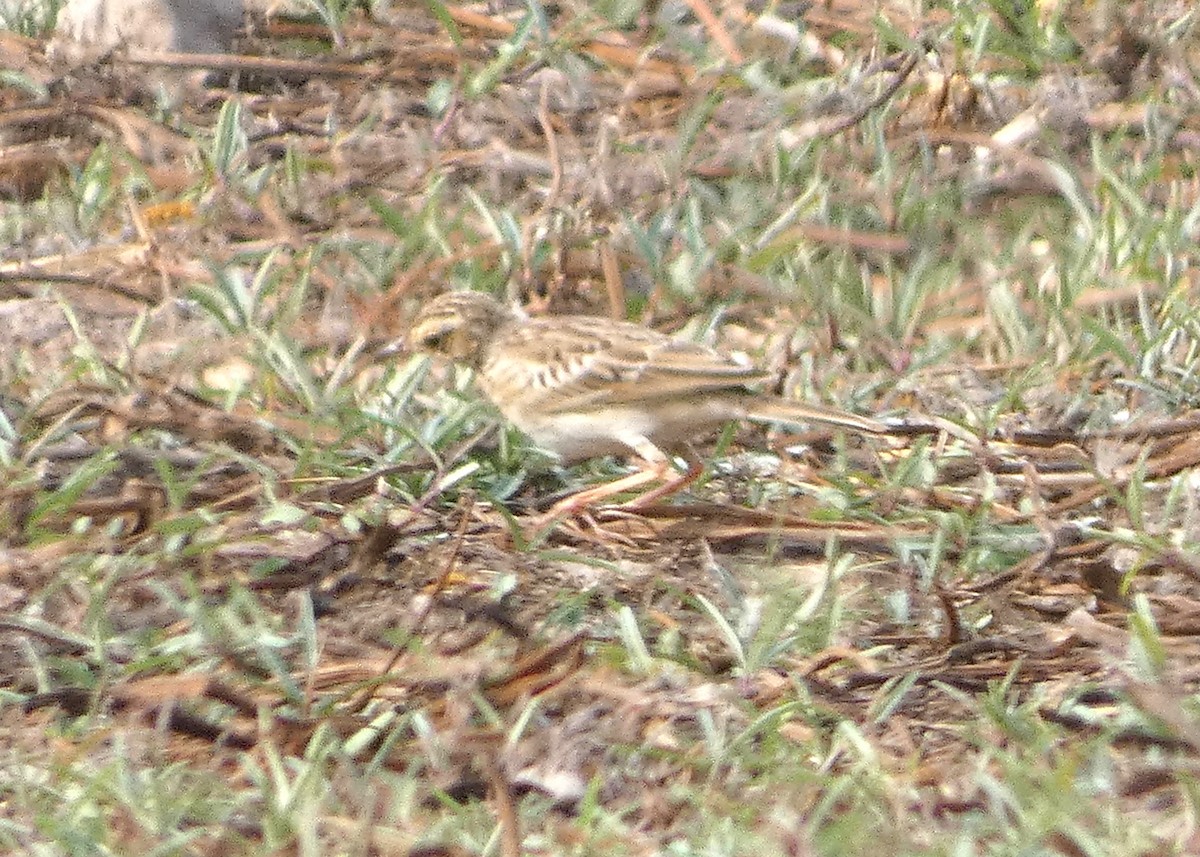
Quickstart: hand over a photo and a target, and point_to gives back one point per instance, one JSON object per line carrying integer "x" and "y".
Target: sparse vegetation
{"x": 268, "y": 585}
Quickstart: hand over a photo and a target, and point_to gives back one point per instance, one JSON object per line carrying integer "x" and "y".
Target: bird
{"x": 582, "y": 387}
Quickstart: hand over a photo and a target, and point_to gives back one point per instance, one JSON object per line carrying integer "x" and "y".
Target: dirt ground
{"x": 239, "y": 528}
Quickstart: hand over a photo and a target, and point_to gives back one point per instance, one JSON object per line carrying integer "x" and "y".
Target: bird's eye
{"x": 436, "y": 341}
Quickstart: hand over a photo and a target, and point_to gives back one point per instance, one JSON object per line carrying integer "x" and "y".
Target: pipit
{"x": 582, "y": 387}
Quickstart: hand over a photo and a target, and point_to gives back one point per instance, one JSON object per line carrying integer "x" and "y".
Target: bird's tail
{"x": 766, "y": 409}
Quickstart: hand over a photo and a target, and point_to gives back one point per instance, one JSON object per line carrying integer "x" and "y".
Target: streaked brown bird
{"x": 582, "y": 386}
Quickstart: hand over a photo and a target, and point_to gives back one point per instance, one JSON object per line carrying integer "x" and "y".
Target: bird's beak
{"x": 399, "y": 345}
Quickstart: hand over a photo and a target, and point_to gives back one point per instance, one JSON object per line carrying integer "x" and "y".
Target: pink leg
{"x": 654, "y": 468}
{"x": 694, "y": 471}
{"x": 652, "y": 471}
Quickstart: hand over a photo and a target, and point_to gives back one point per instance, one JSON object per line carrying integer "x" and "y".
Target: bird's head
{"x": 458, "y": 325}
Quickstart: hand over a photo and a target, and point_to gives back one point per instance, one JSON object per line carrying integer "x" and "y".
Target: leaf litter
{"x": 182, "y": 568}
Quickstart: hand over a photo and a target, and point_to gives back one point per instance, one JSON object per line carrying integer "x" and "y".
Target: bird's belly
{"x": 618, "y": 430}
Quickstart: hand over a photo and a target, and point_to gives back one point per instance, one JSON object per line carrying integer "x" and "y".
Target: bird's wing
{"x": 579, "y": 363}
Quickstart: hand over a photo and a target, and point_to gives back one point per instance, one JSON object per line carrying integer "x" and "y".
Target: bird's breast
{"x": 617, "y": 430}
